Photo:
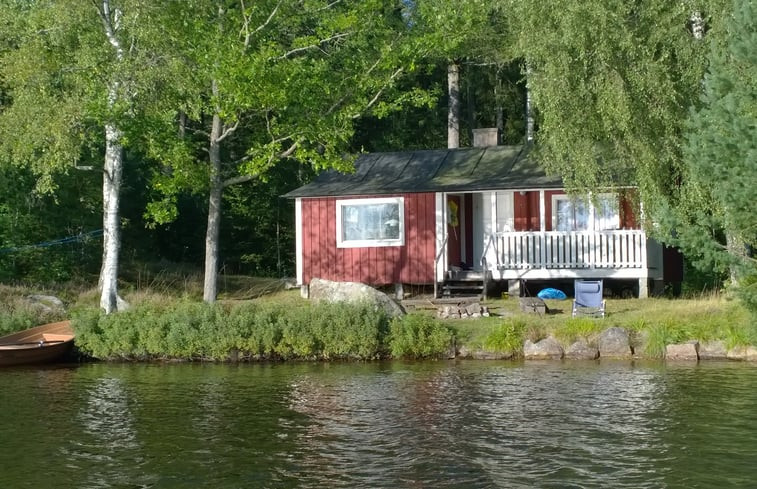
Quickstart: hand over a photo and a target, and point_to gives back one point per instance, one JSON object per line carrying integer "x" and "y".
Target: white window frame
{"x": 613, "y": 223}
{"x": 369, "y": 243}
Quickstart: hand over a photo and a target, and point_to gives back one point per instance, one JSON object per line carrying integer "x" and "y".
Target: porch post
{"x": 542, "y": 212}
{"x": 542, "y": 229}
{"x": 298, "y": 239}
{"x": 440, "y": 260}
{"x": 493, "y": 199}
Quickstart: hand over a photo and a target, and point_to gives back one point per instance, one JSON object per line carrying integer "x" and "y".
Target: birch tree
{"x": 69, "y": 72}
{"x": 613, "y": 82}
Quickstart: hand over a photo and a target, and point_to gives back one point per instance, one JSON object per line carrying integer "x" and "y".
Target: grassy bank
{"x": 652, "y": 324}
{"x": 256, "y": 319}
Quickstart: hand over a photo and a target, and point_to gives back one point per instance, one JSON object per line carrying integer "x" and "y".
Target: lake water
{"x": 385, "y": 425}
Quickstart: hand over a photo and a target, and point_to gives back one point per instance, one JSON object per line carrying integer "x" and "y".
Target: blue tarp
{"x": 551, "y": 293}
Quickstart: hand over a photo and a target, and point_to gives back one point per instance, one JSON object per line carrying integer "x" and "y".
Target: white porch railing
{"x": 574, "y": 249}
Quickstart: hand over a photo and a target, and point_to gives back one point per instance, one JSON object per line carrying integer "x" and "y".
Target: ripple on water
{"x": 418, "y": 425}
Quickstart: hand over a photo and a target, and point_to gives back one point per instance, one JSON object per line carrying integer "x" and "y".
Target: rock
{"x": 748, "y": 353}
{"x": 448, "y": 312}
{"x": 46, "y": 303}
{"x": 353, "y": 292}
{"x": 546, "y": 349}
{"x": 614, "y": 343}
{"x": 491, "y": 355}
{"x": 684, "y": 351}
{"x": 580, "y": 350}
{"x": 474, "y": 310}
{"x": 533, "y": 305}
{"x": 713, "y": 350}
{"x": 484, "y": 355}
{"x": 121, "y": 304}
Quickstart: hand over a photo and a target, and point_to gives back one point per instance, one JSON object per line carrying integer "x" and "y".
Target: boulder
{"x": 46, "y": 303}
{"x": 546, "y": 349}
{"x": 353, "y": 292}
{"x": 580, "y": 350}
{"x": 615, "y": 343}
{"x": 683, "y": 351}
{"x": 713, "y": 350}
{"x": 748, "y": 353}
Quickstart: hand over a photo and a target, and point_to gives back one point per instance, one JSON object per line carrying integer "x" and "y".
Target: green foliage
{"x": 720, "y": 156}
{"x": 419, "y": 335}
{"x": 507, "y": 337}
{"x": 197, "y": 331}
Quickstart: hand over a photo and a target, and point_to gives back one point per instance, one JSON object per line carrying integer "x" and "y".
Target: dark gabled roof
{"x": 443, "y": 170}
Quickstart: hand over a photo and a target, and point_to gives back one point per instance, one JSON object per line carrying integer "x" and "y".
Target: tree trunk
{"x": 453, "y": 115}
{"x": 210, "y": 289}
{"x": 112, "y": 171}
{"x": 113, "y": 168}
{"x": 499, "y": 111}
{"x": 529, "y": 109}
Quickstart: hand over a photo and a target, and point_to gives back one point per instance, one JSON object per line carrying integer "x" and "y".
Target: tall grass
{"x": 507, "y": 337}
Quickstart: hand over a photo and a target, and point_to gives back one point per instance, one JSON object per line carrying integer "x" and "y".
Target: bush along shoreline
{"x": 187, "y": 330}
{"x": 193, "y": 331}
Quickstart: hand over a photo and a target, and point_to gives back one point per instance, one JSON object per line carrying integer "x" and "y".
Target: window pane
{"x": 581, "y": 215}
{"x": 379, "y": 222}
{"x": 564, "y": 215}
{"x": 606, "y": 214}
{"x": 572, "y": 215}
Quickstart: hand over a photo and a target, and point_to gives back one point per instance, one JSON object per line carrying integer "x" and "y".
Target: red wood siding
{"x": 526, "y": 210}
{"x": 412, "y": 263}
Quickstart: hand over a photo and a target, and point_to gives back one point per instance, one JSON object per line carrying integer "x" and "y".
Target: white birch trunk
{"x": 453, "y": 114}
{"x": 697, "y": 25}
{"x": 529, "y": 109}
{"x": 112, "y": 171}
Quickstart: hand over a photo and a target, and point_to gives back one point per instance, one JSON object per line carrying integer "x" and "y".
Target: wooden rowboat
{"x": 42, "y": 344}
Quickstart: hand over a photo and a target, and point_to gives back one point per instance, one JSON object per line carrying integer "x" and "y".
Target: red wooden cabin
{"x": 484, "y": 213}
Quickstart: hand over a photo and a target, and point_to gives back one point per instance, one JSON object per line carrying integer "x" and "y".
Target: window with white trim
{"x": 575, "y": 214}
{"x": 362, "y": 223}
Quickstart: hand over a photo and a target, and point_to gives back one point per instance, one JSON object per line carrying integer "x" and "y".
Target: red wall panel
{"x": 412, "y": 263}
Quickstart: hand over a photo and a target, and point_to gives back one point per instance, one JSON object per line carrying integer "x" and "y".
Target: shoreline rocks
{"x": 615, "y": 343}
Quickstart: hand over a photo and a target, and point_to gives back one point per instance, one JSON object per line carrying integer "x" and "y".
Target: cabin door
{"x": 459, "y": 232}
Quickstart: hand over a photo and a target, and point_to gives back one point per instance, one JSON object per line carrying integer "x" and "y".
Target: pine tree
{"x": 721, "y": 156}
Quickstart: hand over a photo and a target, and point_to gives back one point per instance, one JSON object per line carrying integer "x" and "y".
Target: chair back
{"x": 588, "y": 293}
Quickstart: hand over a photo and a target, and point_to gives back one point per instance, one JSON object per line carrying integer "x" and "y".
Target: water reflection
{"x": 417, "y": 425}
{"x": 109, "y": 438}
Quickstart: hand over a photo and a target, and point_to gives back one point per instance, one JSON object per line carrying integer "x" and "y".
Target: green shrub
{"x": 198, "y": 331}
{"x": 507, "y": 337}
{"x": 418, "y": 335}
